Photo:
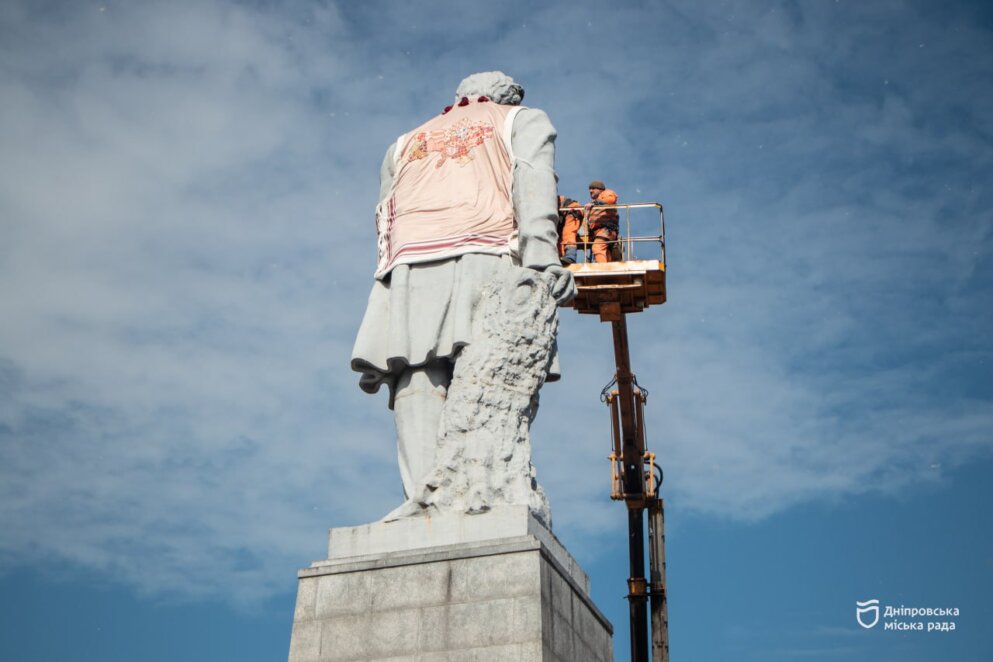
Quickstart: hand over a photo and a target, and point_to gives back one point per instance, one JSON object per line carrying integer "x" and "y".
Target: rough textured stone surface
{"x": 484, "y": 447}
{"x": 502, "y": 600}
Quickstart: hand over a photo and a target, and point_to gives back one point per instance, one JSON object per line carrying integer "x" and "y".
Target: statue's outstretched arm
{"x": 536, "y": 196}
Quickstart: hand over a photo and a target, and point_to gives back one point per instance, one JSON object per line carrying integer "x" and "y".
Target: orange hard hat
{"x": 608, "y": 197}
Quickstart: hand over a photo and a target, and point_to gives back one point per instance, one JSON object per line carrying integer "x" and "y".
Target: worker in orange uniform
{"x": 602, "y": 223}
{"x": 570, "y": 219}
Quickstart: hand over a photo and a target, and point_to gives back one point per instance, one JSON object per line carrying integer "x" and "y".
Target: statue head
{"x": 496, "y": 85}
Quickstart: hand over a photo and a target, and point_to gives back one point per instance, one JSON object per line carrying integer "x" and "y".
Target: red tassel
{"x": 482, "y": 99}
{"x": 464, "y": 102}
{"x": 447, "y": 108}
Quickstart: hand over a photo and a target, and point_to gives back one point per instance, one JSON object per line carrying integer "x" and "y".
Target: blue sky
{"x": 186, "y": 195}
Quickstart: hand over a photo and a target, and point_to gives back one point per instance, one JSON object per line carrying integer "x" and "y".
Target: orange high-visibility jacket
{"x": 607, "y": 219}
{"x": 571, "y": 204}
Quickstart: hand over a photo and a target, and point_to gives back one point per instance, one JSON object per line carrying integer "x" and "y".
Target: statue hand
{"x": 564, "y": 288}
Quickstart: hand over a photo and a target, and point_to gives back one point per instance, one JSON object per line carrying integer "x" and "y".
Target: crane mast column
{"x": 612, "y": 290}
{"x": 632, "y": 459}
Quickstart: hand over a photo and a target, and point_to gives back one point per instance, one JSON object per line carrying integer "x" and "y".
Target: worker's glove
{"x": 564, "y": 288}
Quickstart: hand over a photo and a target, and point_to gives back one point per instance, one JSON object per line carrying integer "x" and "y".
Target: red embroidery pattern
{"x": 455, "y": 142}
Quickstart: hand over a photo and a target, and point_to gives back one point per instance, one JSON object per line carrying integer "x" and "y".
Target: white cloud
{"x": 185, "y": 201}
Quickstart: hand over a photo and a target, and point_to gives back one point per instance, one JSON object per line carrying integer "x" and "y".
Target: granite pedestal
{"x": 459, "y": 588}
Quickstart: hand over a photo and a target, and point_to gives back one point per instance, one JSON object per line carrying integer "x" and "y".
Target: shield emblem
{"x": 867, "y": 613}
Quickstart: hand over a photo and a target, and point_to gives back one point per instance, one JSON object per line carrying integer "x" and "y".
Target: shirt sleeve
{"x": 535, "y": 188}
{"x": 386, "y": 172}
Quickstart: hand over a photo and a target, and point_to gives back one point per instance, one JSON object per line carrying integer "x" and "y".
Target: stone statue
{"x": 461, "y": 321}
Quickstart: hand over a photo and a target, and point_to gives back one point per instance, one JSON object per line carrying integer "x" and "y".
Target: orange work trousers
{"x": 603, "y": 241}
{"x": 567, "y": 242}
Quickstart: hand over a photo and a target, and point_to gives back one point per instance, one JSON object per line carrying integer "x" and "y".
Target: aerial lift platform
{"x": 634, "y": 282}
{"x": 612, "y": 290}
